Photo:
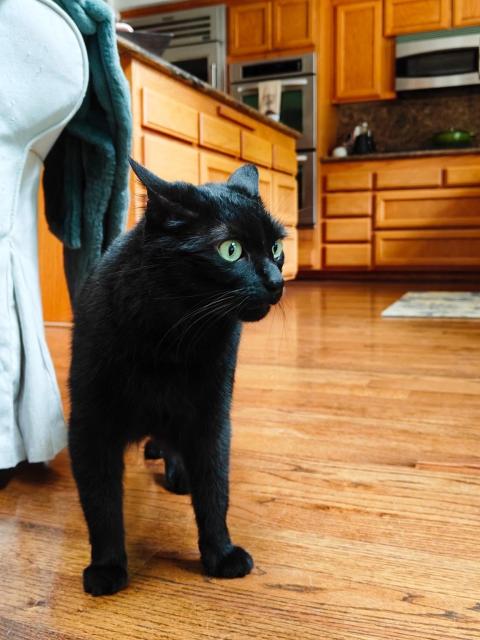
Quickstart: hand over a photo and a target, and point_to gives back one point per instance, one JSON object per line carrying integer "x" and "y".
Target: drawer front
{"x": 405, "y": 178}
{"x": 348, "y": 204}
{"x": 256, "y": 149}
{"x": 161, "y": 113}
{"x": 171, "y": 160}
{"x": 219, "y": 135}
{"x": 290, "y": 248}
{"x": 425, "y": 208}
{"x": 284, "y": 159}
{"x": 458, "y": 176}
{"x": 265, "y": 185}
{"x": 215, "y": 167}
{"x": 427, "y": 248}
{"x": 349, "y": 181}
{"x": 347, "y": 255}
{"x": 285, "y": 203}
{"x": 348, "y": 230}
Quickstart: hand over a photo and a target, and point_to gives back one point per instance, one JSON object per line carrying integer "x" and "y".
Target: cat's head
{"x": 216, "y": 240}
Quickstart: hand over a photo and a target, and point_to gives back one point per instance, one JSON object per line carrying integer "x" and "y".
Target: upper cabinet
{"x": 274, "y": 25}
{"x": 292, "y": 23}
{"x": 363, "y": 56}
{"x": 250, "y": 28}
{"x": 410, "y": 16}
{"x": 466, "y": 13}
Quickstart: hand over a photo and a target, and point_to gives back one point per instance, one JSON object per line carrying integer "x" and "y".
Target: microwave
{"x": 438, "y": 59}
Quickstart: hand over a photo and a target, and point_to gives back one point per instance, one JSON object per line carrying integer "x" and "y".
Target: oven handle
{"x": 213, "y": 75}
{"x": 294, "y": 82}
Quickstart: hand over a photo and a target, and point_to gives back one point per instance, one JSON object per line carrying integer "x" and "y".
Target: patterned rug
{"x": 435, "y": 304}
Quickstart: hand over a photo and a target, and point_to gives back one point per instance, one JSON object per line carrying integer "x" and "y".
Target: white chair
{"x": 44, "y": 72}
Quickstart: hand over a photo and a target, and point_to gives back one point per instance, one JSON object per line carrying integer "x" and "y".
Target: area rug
{"x": 435, "y": 304}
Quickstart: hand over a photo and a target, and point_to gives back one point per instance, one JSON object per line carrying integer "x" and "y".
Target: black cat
{"x": 157, "y": 327}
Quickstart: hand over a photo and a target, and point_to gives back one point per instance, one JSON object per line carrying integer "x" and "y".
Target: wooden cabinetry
{"x": 363, "y": 57}
{"x": 274, "y": 25}
{"x": 408, "y": 16}
{"x": 250, "y": 28}
{"x": 466, "y": 13}
{"x": 415, "y": 213}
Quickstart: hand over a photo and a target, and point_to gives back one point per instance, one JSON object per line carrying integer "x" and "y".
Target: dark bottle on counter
{"x": 364, "y": 142}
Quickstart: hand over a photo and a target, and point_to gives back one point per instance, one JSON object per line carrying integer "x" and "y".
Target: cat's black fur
{"x": 154, "y": 351}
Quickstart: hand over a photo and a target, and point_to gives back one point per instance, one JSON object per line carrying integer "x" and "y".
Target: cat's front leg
{"x": 97, "y": 466}
{"x": 207, "y": 461}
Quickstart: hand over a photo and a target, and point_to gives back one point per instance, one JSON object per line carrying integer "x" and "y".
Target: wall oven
{"x": 198, "y": 44}
{"x": 438, "y": 59}
{"x": 297, "y": 77}
{"x": 298, "y": 91}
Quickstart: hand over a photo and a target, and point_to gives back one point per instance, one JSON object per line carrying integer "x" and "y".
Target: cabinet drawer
{"x": 405, "y": 178}
{"x": 347, "y": 255}
{"x": 256, "y": 149}
{"x": 171, "y": 160}
{"x": 215, "y": 167}
{"x": 290, "y": 248}
{"x": 428, "y": 248}
{"x": 458, "y": 176}
{"x": 161, "y": 113}
{"x": 285, "y": 203}
{"x": 348, "y": 204}
{"x": 348, "y": 230}
{"x": 284, "y": 159}
{"x": 349, "y": 181}
{"x": 219, "y": 135}
{"x": 427, "y": 208}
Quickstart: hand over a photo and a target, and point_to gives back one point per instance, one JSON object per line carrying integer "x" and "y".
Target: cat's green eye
{"x": 277, "y": 249}
{"x": 230, "y": 250}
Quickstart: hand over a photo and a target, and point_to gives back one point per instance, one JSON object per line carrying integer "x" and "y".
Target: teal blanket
{"x": 86, "y": 172}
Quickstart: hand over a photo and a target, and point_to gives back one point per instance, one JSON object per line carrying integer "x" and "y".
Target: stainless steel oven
{"x": 438, "y": 59}
{"x": 198, "y": 45}
{"x": 298, "y": 91}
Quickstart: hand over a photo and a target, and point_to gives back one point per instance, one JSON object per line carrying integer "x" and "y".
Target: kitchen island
{"x": 183, "y": 129}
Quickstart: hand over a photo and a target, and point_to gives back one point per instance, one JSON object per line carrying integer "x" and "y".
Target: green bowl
{"x": 453, "y": 138}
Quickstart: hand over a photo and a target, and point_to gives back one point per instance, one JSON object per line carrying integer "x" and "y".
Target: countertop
{"x": 393, "y": 155}
{"x": 175, "y": 72}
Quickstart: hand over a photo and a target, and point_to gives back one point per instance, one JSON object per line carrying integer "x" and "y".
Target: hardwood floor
{"x": 355, "y": 534}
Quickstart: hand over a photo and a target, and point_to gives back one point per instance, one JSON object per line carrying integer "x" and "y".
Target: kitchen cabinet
{"x": 409, "y": 16}
{"x": 466, "y": 13}
{"x": 411, "y": 213}
{"x": 250, "y": 28}
{"x": 363, "y": 57}
{"x": 274, "y": 25}
{"x": 293, "y": 22}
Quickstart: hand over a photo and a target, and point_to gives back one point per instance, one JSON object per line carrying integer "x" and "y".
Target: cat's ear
{"x": 245, "y": 180}
{"x": 169, "y": 203}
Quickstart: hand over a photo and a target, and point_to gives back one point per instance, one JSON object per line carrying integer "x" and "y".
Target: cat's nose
{"x": 273, "y": 280}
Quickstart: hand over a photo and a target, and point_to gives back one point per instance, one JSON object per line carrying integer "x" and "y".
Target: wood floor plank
{"x": 354, "y": 537}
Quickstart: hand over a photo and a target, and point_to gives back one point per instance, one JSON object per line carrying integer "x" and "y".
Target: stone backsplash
{"x": 408, "y": 123}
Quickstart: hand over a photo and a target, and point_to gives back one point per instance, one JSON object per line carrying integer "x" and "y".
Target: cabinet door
{"x": 290, "y": 248}
{"x": 466, "y": 13}
{"x": 250, "y": 27}
{"x": 285, "y": 202}
{"x": 292, "y": 23}
{"x": 364, "y": 66}
{"x": 408, "y": 16}
{"x": 215, "y": 167}
{"x": 171, "y": 160}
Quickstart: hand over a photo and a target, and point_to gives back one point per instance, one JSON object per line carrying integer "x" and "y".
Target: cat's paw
{"x": 235, "y": 563}
{"x": 104, "y": 580}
